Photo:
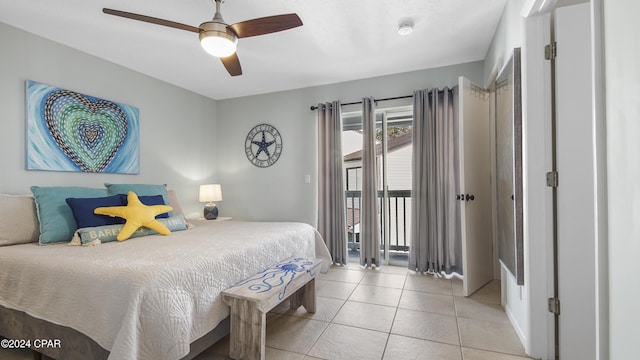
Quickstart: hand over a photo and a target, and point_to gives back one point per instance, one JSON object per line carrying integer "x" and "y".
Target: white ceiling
{"x": 340, "y": 40}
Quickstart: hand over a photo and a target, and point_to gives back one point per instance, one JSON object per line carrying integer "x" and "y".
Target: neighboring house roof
{"x": 392, "y": 145}
{"x": 353, "y": 217}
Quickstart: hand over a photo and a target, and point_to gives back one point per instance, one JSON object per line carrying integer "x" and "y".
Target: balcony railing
{"x": 398, "y": 208}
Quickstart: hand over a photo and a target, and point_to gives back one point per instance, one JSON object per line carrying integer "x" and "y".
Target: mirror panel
{"x": 508, "y": 146}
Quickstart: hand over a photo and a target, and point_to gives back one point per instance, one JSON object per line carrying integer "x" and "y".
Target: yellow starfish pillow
{"x": 136, "y": 215}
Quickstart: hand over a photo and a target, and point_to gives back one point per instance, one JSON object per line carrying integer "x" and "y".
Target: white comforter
{"x": 149, "y": 297}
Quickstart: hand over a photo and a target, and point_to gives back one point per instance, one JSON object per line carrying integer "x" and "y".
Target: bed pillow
{"x": 18, "y": 220}
{"x": 108, "y": 233}
{"x": 151, "y": 200}
{"x": 140, "y": 190}
{"x": 82, "y": 209}
{"x": 56, "y": 218}
{"x": 173, "y": 201}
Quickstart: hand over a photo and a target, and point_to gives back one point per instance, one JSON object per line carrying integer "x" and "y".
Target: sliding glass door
{"x": 393, "y": 176}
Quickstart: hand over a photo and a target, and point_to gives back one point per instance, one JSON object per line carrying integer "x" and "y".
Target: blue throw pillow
{"x": 57, "y": 223}
{"x": 141, "y": 190}
{"x": 82, "y": 209}
{"x": 151, "y": 200}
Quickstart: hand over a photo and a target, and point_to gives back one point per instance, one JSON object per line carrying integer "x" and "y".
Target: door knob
{"x": 470, "y": 197}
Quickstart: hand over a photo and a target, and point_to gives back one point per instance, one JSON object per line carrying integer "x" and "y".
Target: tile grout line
{"x": 455, "y": 309}
{"x": 384, "y": 351}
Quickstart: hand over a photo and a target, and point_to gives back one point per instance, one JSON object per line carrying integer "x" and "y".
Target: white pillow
{"x": 18, "y": 220}
{"x": 173, "y": 201}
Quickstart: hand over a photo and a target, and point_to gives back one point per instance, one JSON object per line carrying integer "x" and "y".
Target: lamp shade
{"x": 210, "y": 193}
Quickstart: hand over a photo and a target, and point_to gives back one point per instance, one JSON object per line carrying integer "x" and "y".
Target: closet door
{"x": 476, "y": 218}
{"x": 576, "y": 191}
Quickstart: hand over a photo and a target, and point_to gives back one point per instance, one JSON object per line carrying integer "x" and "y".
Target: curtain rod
{"x": 312, "y": 108}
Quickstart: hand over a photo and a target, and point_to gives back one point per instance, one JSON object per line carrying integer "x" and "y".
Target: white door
{"x": 475, "y": 183}
{"x": 576, "y": 190}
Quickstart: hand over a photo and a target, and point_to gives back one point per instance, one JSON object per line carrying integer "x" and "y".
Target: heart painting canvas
{"x": 69, "y": 131}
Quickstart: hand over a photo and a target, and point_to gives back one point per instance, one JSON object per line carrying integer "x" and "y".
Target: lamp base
{"x": 210, "y": 211}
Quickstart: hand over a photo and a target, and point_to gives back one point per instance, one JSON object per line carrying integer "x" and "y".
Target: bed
{"x": 153, "y": 297}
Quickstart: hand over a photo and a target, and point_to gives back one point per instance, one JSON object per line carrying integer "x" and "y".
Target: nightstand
{"x": 219, "y": 218}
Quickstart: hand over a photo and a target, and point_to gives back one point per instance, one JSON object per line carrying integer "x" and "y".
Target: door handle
{"x": 465, "y": 197}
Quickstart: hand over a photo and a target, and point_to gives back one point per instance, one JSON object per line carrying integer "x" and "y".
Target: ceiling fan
{"x": 217, "y": 37}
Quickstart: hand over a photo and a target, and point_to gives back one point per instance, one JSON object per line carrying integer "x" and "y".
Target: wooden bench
{"x": 250, "y": 301}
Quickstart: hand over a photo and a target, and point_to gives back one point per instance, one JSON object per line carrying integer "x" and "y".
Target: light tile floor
{"x": 386, "y": 314}
{"x": 390, "y": 314}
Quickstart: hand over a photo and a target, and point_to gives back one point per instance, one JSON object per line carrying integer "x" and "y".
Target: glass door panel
{"x": 397, "y": 185}
{"x": 352, "y": 165}
{"x": 394, "y": 151}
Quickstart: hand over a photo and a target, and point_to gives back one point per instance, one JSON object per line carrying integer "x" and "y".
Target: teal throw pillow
{"x": 57, "y": 223}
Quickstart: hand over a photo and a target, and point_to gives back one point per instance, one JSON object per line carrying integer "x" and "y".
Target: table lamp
{"x": 210, "y": 193}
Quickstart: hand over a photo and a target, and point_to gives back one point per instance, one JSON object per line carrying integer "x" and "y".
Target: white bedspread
{"x": 149, "y": 297}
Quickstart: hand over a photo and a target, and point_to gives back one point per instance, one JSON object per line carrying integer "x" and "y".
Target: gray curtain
{"x": 435, "y": 213}
{"x": 331, "y": 201}
{"x": 369, "y": 216}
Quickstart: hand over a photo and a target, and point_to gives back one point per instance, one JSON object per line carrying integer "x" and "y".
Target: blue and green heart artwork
{"x": 68, "y": 131}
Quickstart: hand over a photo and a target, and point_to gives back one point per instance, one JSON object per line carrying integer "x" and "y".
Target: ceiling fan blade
{"x": 232, "y": 64}
{"x": 152, "y": 20}
{"x": 266, "y": 25}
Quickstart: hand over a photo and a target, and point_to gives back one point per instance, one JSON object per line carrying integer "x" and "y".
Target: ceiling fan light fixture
{"x": 217, "y": 40}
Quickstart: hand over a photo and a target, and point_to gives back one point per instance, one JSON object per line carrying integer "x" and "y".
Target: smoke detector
{"x": 405, "y": 29}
